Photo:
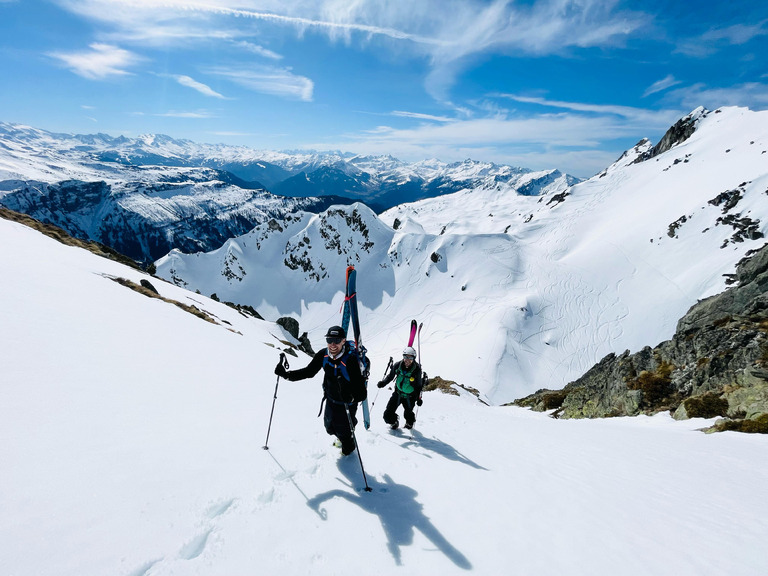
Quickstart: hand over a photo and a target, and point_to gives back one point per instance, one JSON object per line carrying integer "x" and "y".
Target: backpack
{"x": 351, "y": 354}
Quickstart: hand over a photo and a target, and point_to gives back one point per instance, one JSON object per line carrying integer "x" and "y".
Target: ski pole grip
{"x": 284, "y": 361}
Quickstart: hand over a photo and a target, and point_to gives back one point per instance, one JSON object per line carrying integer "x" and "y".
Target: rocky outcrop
{"x": 679, "y": 132}
{"x": 291, "y": 326}
{"x": 716, "y": 364}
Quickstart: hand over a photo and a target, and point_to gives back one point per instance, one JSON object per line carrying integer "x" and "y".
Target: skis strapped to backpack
{"x": 350, "y": 315}
{"x": 424, "y": 378}
{"x": 413, "y": 333}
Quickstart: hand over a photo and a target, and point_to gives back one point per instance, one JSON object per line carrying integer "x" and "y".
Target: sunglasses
{"x": 334, "y": 340}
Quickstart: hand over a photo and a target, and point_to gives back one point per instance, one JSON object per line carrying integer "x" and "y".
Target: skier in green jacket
{"x": 407, "y": 389}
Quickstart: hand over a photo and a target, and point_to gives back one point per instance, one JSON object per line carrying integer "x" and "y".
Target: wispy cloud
{"x": 661, "y": 85}
{"x": 752, "y": 95}
{"x": 574, "y": 141}
{"x": 737, "y": 34}
{"x": 101, "y": 61}
{"x": 258, "y": 50}
{"x": 636, "y": 116}
{"x": 231, "y": 133}
{"x": 717, "y": 38}
{"x": 446, "y": 33}
{"x": 195, "y": 85}
{"x": 516, "y": 29}
{"x": 268, "y": 80}
{"x": 201, "y": 114}
{"x": 330, "y": 16}
{"x": 419, "y": 116}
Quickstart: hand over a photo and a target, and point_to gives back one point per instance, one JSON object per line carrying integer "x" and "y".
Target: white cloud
{"x": 661, "y": 85}
{"x": 637, "y": 116}
{"x": 752, "y": 95}
{"x": 420, "y": 116}
{"x": 582, "y": 141}
{"x": 737, "y": 34}
{"x": 268, "y": 80}
{"x": 102, "y": 61}
{"x": 132, "y": 15}
{"x": 713, "y": 40}
{"x": 447, "y": 33}
{"x": 201, "y": 114}
{"x": 195, "y": 85}
{"x": 258, "y": 50}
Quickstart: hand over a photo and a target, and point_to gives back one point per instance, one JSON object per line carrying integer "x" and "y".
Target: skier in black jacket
{"x": 343, "y": 385}
{"x": 407, "y": 389}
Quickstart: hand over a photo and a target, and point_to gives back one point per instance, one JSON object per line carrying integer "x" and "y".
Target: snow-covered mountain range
{"x": 520, "y": 292}
{"x": 146, "y": 196}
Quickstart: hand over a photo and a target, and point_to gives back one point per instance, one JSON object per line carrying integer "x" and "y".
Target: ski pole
{"x": 424, "y": 381}
{"x": 359, "y": 457}
{"x": 354, "y": 438}
{"x": 386, "y": 371}
{"x": 284, "y": 362}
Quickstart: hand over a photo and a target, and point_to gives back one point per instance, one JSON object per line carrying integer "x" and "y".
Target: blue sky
{"x": 538, "y": 84}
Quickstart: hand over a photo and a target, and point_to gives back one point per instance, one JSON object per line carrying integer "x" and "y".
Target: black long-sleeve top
{"x": 342, "y": 381}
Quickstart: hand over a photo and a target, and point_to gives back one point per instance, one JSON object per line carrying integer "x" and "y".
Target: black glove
{"x": 281, "y": 371}
{"x": 381, "y": 384}
{"x": 419, "y": 402}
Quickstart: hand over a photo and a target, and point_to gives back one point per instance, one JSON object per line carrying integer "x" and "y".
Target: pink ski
{"x": 412, "y": 337}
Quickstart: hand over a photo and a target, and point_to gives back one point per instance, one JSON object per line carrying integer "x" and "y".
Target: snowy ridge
{"x": 519, "y": 292}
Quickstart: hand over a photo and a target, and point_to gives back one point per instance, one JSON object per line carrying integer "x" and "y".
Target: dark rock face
{"x": 716, "y": 364}
{"x": 290, "y": 324}
{"x": 677, "y": 133}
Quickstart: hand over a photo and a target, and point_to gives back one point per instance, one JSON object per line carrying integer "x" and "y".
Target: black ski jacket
{"x": 342, "y": 382}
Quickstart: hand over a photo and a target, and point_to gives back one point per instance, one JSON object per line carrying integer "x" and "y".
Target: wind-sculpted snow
{"x": 521, "y": 292}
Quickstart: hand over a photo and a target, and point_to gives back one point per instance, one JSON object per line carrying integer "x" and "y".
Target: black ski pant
{"x": 407, "y": 401}
{"x": 336, "y": 422}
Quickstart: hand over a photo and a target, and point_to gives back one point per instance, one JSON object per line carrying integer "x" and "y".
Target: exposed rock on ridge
{"x": 679, "y": 132}
{"x": 716, "y": 364}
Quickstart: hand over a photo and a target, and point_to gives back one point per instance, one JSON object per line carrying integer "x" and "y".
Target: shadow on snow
{"x": 397, "y": 508}
{"x": 447, "y": 451}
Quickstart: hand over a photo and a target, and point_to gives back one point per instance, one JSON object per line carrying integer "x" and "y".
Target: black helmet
{"x": 336, "y": 332}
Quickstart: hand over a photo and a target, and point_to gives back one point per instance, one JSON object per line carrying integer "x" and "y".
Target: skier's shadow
{"x": 438, "y": 447}
{"x": 397, "y": 508}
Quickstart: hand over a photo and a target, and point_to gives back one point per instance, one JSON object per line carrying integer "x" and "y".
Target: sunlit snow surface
{"x": 131, "y": 437}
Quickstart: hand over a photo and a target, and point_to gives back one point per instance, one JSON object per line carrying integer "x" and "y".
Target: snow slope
{"x": 131, "y": 437}
{"x": 520, "y": 292}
